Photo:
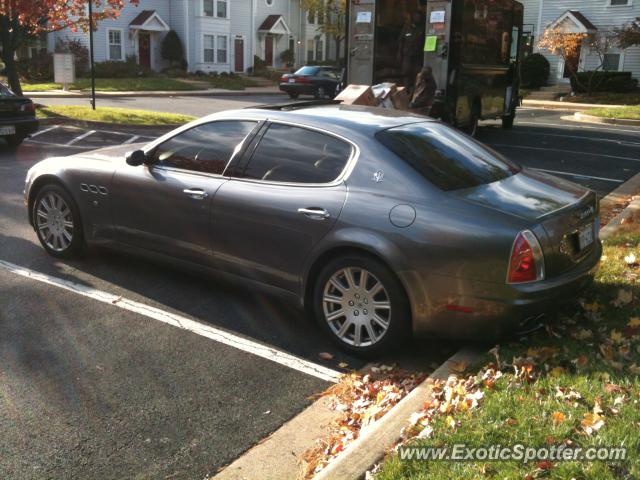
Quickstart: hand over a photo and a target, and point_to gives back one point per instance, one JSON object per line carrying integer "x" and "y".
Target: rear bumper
{"x": 24, "y": 126}
{"x": 306, "y": 89}
{"x": 476, "y": 310}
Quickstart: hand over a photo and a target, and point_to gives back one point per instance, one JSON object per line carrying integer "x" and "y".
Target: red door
{"x": 268, "y": 50}
{"x": 239, "y": 54}
{"x": 144, "y": 49}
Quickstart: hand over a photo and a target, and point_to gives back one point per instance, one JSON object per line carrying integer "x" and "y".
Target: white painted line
{"x": 132, "y": 139}
{"x": 573, "y": 127}
{"x": 578, "y": 175}
{"x": 184, "y": 323}
{"x": 40, "y": 132}
{"x": 51, "y": 144}
{"x": 80, "y": 137}
{"x": 562, "y": 150}
{"x": 625, "y": 143}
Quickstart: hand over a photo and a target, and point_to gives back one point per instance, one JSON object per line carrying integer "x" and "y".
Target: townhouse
{"x": 583, "y": 16}
{"x": 217, "y": 35}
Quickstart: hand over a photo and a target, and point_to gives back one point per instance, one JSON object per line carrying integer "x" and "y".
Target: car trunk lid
{"x": 563, "y": 215}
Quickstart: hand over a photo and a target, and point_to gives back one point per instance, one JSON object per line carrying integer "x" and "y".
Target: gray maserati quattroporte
{"x": 379, "y": 222}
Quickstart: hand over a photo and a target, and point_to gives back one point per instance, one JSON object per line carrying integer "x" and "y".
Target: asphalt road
{"x": 88, "y": 389}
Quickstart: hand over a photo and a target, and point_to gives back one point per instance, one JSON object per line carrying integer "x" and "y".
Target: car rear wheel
{"x": 320, "y": 92}
{"x": 14, "y": 140}
{"x": 472, "y": 128}
{"x": 294, "y": 95}
{"x": 361, "y": 304}
{"x": 57, "y": 222}
{"x": 507, "y": 121}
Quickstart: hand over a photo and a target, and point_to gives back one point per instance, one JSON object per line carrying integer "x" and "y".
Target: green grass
{"x": 607, "y": 98}
{"x": 117, "y": 85}
{"x": 515, "y": 411}
{"x": 123, "y": 116}
{"x": 632, "y": 113}
{"x": 229, "y": 83}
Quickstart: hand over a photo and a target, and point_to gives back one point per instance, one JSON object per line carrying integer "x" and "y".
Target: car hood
{"x": 110, "y": 153}
{"x": 529, "y": 194}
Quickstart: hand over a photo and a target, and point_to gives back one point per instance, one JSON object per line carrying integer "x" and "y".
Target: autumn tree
{"x": 22, "y": 19}
{"x": 568, "y": 46}
{"x": 629, "y": 35}
{"x": 334, "y": 13}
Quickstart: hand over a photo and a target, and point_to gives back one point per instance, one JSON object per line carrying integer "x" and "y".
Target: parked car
{"x": 17, "y": 117}
{"x": 321, "y": 82}
{"x": 379, "y": 222}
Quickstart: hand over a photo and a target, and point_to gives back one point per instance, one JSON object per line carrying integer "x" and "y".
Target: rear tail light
{"x": 527, "y": 262}
{"x": 28, "y": 107}
{"x": 284, "y": 78}
{"x": 302, "y": 80}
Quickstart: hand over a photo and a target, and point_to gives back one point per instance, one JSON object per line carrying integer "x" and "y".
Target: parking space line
{"x": 221, "y": 336}
{"x": 524, "y": 147}
{"x": 625, "y": 143}
{"x": 578, "y": 175}
{"x": 80, "y": 137}
{"x": 132, "y": 139}
{"x": 574, "y": 127}
{"x": 53, "y": 144}
{"x": 40, "y": 132}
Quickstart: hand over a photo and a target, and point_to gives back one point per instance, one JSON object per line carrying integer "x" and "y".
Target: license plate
{"x": 585, "y": 237}
{"x": 292, "y": 80}
{"x": 9, "y": 130}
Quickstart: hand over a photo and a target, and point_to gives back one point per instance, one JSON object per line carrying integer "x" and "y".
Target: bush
{"x": 258, "y": 64}
{"x": 80, "y": 53}
{"x": 37, "y": 68}
{"x": 174, "y": 72}
{"x": 535, "y": 71}
{"x": 287, "y": 57}
{"x": 620, "y": 82}
{"x": 117, "y": 69}
{"x": 171, "y": 48}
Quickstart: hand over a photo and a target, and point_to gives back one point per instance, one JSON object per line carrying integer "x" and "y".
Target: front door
{"x": 572, "y": 63}
{"x": 144, "y": 49}
{"x": 239, "y": 54}
{"x": 165, "y": 206}
{"x": 280, "y": 205}
{"x": 268, "y": 50}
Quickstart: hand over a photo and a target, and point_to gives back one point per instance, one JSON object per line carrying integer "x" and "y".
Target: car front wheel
{"x": 361, "y": 304}
{"x": 57, "y": 222}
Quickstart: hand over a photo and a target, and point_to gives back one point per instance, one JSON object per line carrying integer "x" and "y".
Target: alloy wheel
{"x": 356, "y": 306}
{"x": 54, "y": 221}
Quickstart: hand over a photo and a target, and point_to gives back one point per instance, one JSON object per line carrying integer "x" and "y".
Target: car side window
{"x": 297, "y": 155}
{"x": 206, "y": 148}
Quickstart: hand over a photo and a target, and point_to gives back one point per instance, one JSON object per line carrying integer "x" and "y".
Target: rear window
{"x": 307, "y": 71}
{"x": 446, "y": 158}
{"x": 5, "y": 92}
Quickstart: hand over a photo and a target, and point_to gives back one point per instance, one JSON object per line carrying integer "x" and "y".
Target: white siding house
{"x": 217, "y": 35}
{"x": 584, "y": 16}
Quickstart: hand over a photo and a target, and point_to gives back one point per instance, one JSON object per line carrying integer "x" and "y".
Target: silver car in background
{"x": 381, "y": 223}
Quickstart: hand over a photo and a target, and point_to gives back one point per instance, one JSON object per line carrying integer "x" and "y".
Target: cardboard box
{"x": 358, "y": 95}
{"x": 383, "y": 93}
{"x": 401, "y": 98}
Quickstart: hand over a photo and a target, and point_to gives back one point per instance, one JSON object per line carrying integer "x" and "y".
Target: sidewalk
{"x": 568, "y": 106}
{"x": 210, "y": 92}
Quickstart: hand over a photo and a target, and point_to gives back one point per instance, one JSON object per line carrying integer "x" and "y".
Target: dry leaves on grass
{"x": 362, "y": 399}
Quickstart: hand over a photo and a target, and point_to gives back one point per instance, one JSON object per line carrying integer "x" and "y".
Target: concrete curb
{"x": 583, "y": 117}
{"x": 156, "y": 129}
{"x": 173, "y": 93}
{"x": 627, "y": 189}
{"x": 374, "y": 442}
{"x": 568, "y": 106}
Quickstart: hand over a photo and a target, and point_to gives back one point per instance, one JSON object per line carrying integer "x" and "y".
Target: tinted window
{"x": 307, "y": 71}
{"x": 448, "y": 159}
{"x": 292, "y": 154}
{"x": 5, "y": 92}
{"x": 206, "y": 148}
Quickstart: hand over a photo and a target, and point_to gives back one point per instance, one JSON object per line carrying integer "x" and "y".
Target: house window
{"x": 310, "y": 47}
{"x": 209, "y": 49}
{"x": 611, "y": 62}
{"x": 269, "y": 2}
{"x": 320, "y": 17}
{"x": 311, "y": 17}
{"x": 221, "y": 9}
{"x": 115, "y": 44}
{"x": 207, "y": 8}
{"x": 222, "y": 49}
{"x": 319, "y": 50}
{"x": 619, "y": 3}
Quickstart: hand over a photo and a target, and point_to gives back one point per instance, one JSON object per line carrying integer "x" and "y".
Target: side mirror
{"x": 136, "y": 158}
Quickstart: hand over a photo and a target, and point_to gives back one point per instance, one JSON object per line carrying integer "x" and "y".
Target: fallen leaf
{"x": 557, "y": 371}
{"x": 630, "y": 259}
{"x": 511, "y": 421}
{"x": 325, "y": 355}
{"x": 343, "y": 365}
{"x": 634, "y": 322}
{"x": 616, "y": 336}
{"x": 459, "y": 367}
{"x": 545, "y": 465}
{"x": 624, "y": 297}
{"x": 592, "y": 423}
{"x": 558, "y": 417}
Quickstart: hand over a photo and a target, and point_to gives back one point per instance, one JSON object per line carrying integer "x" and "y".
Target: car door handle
{"x": 315, "y": 213}
{"x": 196, "y": 193}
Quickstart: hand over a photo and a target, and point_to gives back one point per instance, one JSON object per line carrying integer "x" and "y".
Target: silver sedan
{"x": 380, "y": 223}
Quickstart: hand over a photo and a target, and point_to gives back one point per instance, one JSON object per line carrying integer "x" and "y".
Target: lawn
{"x": 117, "y": 85}
{"x": 575, "y": 384}
{"x": 228, "y": 83}
{"x": 632, "y": 113}
{"x": 607, "y": 98}
{"x": 123, "y": 116}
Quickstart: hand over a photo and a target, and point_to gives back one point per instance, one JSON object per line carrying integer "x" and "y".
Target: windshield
{"x": 446, "y": 158}
{"x": 307, "y": 71}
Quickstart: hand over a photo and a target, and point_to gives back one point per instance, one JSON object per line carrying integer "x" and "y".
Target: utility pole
{"x": 93, "y": 71}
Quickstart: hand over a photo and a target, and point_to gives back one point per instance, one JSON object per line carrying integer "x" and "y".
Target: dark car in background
{"x": 17, "y": 117}
{"x": 319, "y": 81}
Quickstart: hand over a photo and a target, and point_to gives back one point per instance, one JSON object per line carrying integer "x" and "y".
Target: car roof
{"x": 335, "y": 118}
